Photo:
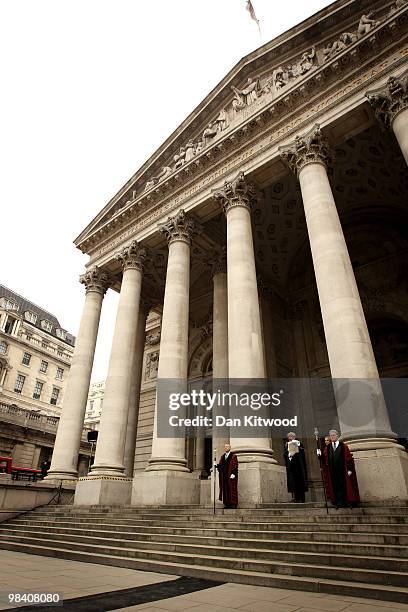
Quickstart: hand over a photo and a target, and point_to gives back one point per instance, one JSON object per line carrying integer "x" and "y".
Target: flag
{"x": 251, "y": 11}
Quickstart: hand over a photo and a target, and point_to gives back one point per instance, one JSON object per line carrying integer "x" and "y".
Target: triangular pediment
{"x": 260, "y": 78}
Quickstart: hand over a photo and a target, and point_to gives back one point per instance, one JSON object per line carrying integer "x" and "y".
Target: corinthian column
{"x": 169, "y": 454}
{"x": 390, "y": 104}
{"x": 68, "y": 440}
{"x": 167, "y": 479}
{"x": 109, "y": 456}
{"x": 220, "y": 339}
{"x": 360, "y": 403}
{"x": 258, "y": 481}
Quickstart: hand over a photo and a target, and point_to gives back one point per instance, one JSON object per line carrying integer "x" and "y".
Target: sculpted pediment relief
{"x": 247, "y": 105}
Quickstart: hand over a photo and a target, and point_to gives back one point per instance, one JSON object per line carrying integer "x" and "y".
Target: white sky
{"x": 90, "y": 88}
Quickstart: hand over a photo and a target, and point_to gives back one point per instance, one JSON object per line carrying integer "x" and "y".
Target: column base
{"x": 262, "y": 483}
{"x": 167, "y": 464}
{"x": 165, "y": 488}
{"x": 61, "y": 476}
{"x": 382, "y": 473}
{"x": 103, "y": 490}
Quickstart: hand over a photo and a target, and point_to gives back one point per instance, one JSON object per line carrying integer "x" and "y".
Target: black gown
{"x": 296, "y": 473}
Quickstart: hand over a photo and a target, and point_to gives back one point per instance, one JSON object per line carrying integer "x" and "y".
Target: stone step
{"x": 315, "y": 506}
{"x": 221, "y": 526}
{"x": 394, "y": 558}
{"x": 185, "y": 534}
{"x": 238, "y": 519}
{"x": 381, "y": 592}
{"x": 293, "y": 511}
{"x": 347, "y": 573}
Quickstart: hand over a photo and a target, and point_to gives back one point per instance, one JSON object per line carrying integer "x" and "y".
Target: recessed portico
{"x": 273, "y": 249}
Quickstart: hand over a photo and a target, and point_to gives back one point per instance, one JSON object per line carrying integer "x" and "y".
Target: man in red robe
{"x": 339, "y": 473}
{"x": 228, "y": 477}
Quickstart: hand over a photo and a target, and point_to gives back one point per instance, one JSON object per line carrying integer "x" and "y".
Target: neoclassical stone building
{"x": 269, "y": 233}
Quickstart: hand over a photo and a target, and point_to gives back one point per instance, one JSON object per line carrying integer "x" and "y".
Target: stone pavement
{"x": 32, "y": 573}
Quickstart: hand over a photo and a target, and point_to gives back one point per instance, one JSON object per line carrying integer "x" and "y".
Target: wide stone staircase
{"x": 361, "y": 552}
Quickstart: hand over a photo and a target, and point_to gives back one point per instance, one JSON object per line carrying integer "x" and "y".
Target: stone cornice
{"x": 96, "y": 280}
{"x": 132, "y": 257}
{"x": 390, "y": 100}
{"x": 303, "y": 87}
{"x": 310, "y": 148}
{"x": 238, "y": 192}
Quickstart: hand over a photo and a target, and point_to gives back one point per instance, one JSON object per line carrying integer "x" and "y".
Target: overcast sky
{"x": 90, "y": 88}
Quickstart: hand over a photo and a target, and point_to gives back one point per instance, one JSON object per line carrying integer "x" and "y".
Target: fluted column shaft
{"x": 245, "y": 349}
{"x": 67, "y": 443}
{"x": 169, "y": 453}
{"x": 134, "y": 396}
{"x": 109, "y": 456}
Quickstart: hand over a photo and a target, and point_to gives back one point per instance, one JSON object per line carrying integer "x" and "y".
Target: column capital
{"x": 238, "y": 192}
{"x": 96, "y": 280}
{"x": 132, "y": 256}
{"x": 311, "y": 148}
{"x": 390, "y": 99}
{"x": 218, "y": 262}
{"x": 182, "y": 227}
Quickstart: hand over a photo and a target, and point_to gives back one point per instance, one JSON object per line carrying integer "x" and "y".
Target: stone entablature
{"x": 267, "y": 142}
{"x": 256, "y": 116}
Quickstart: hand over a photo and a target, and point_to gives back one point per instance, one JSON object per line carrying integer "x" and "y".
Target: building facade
{"x": 268, "y": 234}
{"x": 35, "y": 358}
{"x": 94, "y": 405}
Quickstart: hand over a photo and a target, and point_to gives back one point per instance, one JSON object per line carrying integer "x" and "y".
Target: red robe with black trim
{"x": 228, "y": 485}
{"x": 352, "y": 492}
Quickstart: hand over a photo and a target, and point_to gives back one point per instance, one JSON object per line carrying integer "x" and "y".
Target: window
{"x": 47, "y": 325}
{"x": 30, "y": 316}
{"x": 44, "y": 344}
{"x": 29, "y": 337}
{"x": 43, "y": 366}
{"x": 26, "y": 359}
{"x": 9, "y": 325}
{"x": 60, "y": 353}
{"x": 3, "y": 347}
{"x": 60, "y": 373}
{"x": 54, "y": 396}
{"x": 37, "y": 390}
{"x": 8, "y": 304}
{"x": 18, "y": 387}
{"x": 91, "y": 405}
{"x": 61, "y": 333}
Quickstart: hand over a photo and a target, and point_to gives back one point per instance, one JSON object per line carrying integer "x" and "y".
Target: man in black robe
{"x": 228, "y": 476}
{"x": 296, "y": 470}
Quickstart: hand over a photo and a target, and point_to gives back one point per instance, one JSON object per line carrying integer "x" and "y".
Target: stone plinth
{"x": 382, "y": 472}
{"x": 165, "y": 487}
{"x": 103, "y": 490}
{"x": 261, "y": 483}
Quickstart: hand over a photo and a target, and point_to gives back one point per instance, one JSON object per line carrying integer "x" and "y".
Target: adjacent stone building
{"x": 94, "y": 405}
{"x": 35, "y": 358}
{"x": 268, "y": 234}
